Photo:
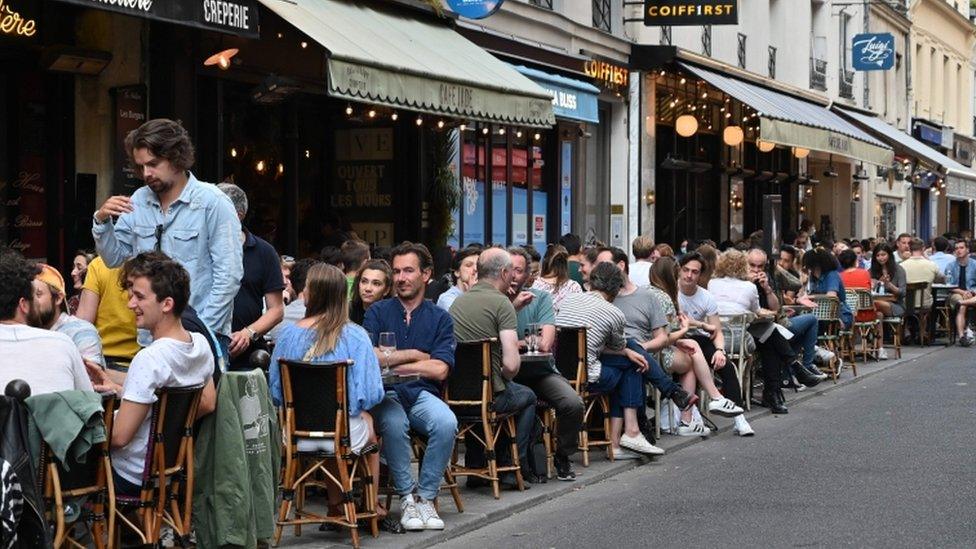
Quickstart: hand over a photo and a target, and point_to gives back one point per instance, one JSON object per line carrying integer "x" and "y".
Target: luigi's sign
{"x": 659, "y": 13}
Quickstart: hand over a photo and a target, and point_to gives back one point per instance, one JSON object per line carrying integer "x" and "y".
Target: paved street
{"x": 887, "y": 462}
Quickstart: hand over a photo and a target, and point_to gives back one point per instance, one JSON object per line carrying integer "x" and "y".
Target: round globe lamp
{"x": 686, "y": 125}
{"x": 733, "y": 136}
{"x": 800, "y": 152}
{"x": 765, "y": 146}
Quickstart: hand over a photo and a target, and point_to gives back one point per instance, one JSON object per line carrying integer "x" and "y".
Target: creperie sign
{"x": 690, "y": 12}
{"x": 609, "y": 75}
{"x": 11, "y": 22}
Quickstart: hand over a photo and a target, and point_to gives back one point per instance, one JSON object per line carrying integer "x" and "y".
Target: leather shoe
{"x": 683, "y": 400}
{"x": 774, "y": 400}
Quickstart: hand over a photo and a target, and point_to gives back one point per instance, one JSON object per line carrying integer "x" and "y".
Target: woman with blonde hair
{"x": 554, "y": 279}
{"x": 326, "y": 335}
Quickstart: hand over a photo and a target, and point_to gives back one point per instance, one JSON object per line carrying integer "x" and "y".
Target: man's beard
{"x": 41, "y": 319}
{"x": 158, "y": 185}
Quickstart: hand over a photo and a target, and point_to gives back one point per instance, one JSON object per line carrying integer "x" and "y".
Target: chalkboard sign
{"x": 129, "y": 109}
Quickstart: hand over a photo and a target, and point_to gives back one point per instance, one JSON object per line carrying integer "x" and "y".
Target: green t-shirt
{"x": 350, "y": 280}
{"x": 481, "y": 313}
{"x": 574, "y": 272}
{"x": 540, "y": 312}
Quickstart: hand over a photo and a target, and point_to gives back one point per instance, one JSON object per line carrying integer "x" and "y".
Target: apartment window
{"x": 846, "y": 83}
{"x": 772, "y": 62}
{"x": 601, "y": 15}
{"x": 666, "y": 39}
{"x": 742, "y": 51}
{"x": 542, "y": 3}
{"x": 845, "y": 43}
{"x": 707, "y": 40}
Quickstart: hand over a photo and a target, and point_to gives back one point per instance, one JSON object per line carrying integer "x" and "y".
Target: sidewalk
{"x": 482, "y": 509}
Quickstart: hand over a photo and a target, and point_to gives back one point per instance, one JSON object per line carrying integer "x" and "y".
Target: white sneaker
{"x": 428, "y": 513}
{"x": 741, "y": 427}
{"x": 969, "y": 333}
{"x": 640, "y": 445}
{"x": 825, "y": 356}
{"x": 693, "y": 429}
{"x": 882, "y": 354}
{"x": 724, "y": 407}
{"x": 620, "y": 454}
{"x": 409, "y": 515}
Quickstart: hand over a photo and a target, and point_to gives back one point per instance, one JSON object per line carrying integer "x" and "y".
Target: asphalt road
{"x": 887, "y": 462}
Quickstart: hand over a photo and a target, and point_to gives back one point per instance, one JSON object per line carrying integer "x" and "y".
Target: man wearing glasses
{"x": 174, "y": 213}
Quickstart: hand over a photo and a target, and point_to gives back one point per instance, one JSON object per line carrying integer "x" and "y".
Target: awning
{"x": 902, "y": 141}
{"x": 787, "y": 120}
{"x": 376, "y": 56}
{"x": 573, "y": 99}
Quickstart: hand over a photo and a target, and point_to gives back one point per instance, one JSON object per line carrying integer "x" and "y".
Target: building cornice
{"x": 954, "y": 15}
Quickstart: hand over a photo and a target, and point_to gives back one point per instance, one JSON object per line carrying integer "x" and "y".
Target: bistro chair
{"x": 735, "y": 329}
{"x": 864, "y": 329}
{"x": 945, "y": 321}
{"x": 168, "y": 477}
{"x": 469, "y": 394}
{"x": 317, "y": 446}
{"x": 571, "y": 363}
{"x": 916, "y": 311}
{"x": 829, "y": 325}
{"x": 80, "y": 483}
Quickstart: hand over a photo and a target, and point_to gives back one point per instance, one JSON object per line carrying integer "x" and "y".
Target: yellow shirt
{"x": 115, "y": 322}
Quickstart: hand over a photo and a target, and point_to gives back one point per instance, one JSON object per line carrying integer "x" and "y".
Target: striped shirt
{"x": 604, "y": 326}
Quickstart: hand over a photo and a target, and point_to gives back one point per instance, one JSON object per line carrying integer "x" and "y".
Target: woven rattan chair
{"x": 827, "y": 312}
{"x": 865, "y": 330}
{"x": 470, "y": 396}
{"x": 318, "y": 451}
{"x": 571, "y": 363}
{"x": 916, "y": 311}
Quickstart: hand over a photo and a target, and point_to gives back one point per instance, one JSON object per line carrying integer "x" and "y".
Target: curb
{"x": 485, "y": 519}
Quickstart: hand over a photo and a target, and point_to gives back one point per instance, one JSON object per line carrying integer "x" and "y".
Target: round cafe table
{"x": 392, "y": 378}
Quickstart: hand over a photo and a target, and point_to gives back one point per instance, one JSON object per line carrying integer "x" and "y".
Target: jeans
{"x": 519, "y": 400}
{"x": 620, "y": 380}
{"x": 804, "y": 328}
{"x": 655, "y": 375}
{"x": 568, "y": 405}
{"x": 429, "y": 416}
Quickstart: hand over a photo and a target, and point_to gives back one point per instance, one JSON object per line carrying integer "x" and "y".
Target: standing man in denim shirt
{"x": 174, "y": 213}
{"x": 424, "y": 346}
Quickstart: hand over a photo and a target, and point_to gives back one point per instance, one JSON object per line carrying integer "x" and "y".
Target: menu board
{"x": 129, "y": 109}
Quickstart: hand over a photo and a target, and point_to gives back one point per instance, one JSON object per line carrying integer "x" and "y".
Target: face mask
{"x": 684, "y": 250}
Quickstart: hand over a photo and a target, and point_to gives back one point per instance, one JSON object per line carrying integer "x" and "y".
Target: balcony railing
{"x": 818, "y": 74}
{"x": 542, "y": 3}
{"x": 846, "y": 84}
{"x": 706, "y": 39}
{"x": 772, "y": 62}
{"x": 666, "y": 35}
{"x": 601, "y": 15}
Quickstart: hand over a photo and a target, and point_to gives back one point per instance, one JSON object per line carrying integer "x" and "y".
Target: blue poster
{"x": 566, "y": 188}
{"x": 540, "y": 206}
{"x": 520, "y": 231}
{"x": 474, "y": 9}
{"x": 873, "y": 52}
{"x": 499, "y": 214}
{"x": 474, "y": 211}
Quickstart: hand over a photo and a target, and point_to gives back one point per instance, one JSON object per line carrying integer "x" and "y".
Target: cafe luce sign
{"x": 690, "y": 12}
{"x": 12, "y": 23}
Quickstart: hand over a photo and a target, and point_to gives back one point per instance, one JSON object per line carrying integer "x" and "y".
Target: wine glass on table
{"x": 532, "y": 338}
{"x": 387, "y": 345}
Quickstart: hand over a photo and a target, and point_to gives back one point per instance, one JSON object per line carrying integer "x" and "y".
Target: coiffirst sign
{"x": 690, "y": 12}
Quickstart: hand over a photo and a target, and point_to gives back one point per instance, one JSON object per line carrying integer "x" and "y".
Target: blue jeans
{"x": 620, "y": 381}
{"x": 655, "y": 375}
{"x": 804, "y": 328}
{"x": 429, "y": 416}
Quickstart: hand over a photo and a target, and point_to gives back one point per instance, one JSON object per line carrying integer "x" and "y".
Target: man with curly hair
{"x": 48, "y": 361}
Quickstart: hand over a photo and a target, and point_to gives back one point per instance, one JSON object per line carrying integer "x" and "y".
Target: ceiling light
{"x": 686, "y": 125}
{"x": 221, "y": 59}
{"x": 733, "y": 136}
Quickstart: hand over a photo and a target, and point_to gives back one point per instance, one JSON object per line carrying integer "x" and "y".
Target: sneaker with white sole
{"x": 428, "y": 514}
{"x": 741, "y": 427}
{"x": 410, "y": 517}
{"x": 882, "y": 354}
{"x": 620, "y": 454}
{"x": 640, "y": 445}
{"x": 693, "y": 429}
{"x": 724, "y": 407}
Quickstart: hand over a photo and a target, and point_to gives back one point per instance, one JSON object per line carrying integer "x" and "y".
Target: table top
{"x": 882, "y": 297}
{"x": 536, "y": 357}
{"x": 393, "y": 378}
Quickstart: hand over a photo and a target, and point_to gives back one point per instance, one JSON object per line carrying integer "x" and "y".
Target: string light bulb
{"x": 394, "y": 116}
{"x": 484, "y": 130}
{"x": 419, "y": 121}
{"x": 462, "y": 127}
{"x": 537, "y": 136}
{"x": 371, "y": 113}
{"x": 281, "y": 168}
{"x": 308, "y": 153}
{"x": 233, "y": 152}
{"x": 260, "y": 167}
{"x": 440, "y": 124}
{"x": 518, "y": 134}
{"x": 348, "y": 110}
{"x": 304, "y": 44}
{"x": 501, "y": 131}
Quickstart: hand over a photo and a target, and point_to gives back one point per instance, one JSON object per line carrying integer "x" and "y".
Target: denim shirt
{"x": 200, "y": 231}
{"x": 952, "y": 273}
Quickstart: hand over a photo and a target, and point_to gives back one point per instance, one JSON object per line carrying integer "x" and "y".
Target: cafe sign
{"x": 659, "y": 13}
{"x": 12, "y": 23}
{"x": 239, "y": 17}
{"x": 873, "y": 52}
{"x": 607, "y": 75}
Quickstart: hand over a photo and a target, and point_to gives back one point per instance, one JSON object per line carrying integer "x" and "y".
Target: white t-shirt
{"x": 734, "y": 296}
{"x": 165, "y": 363}
{"x": 48, "y": 361}
{"x": 698, "y": 306}
{"x": 639, "y": 273}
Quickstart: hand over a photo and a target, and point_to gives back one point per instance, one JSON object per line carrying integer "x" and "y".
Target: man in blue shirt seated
{"x": 962, "y": 273}
{"x": 425, "y": 346}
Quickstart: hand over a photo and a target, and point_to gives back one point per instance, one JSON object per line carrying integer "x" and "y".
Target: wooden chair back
{"x": 570, "y": 355}
{"x": 314, "y": 398}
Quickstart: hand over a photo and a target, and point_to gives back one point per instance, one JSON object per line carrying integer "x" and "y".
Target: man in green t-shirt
{"x": 485, "y": 312}
{"x": 535, "y": 307}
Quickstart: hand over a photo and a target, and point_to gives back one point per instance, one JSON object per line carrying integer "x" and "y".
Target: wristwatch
{"x": 254, "y": 335}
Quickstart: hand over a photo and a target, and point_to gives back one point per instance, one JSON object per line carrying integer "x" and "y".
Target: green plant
{"x": 444, "y": 192}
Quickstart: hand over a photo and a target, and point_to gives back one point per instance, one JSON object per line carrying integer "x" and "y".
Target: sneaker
{"x": 741, "y": 427}
{"x": 621, "y": 454}
{"x": 683, "y": 400}
{"x": 693, "y": 429}
{"x": 724, "y": 407}
{"x": 824, "y": 356}
{"x": 882, "y": 354}
{"x": 965, "y": 341}
{"x": 640, "y": 445}
{"x": 410, "y": 517}
{"x": 564, "y": 468}
{"x": 428, "y": 514}
{"x": 815, "y": 372}
{"x": 969, "y": 333}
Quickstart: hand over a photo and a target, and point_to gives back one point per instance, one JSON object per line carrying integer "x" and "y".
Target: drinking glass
{"x": 532, "y": 337}
{"x": 387, "y": 345}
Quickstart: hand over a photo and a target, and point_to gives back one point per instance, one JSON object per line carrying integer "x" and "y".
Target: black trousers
{"x": 776, "y": 355}
{"x": 730, "y": 383}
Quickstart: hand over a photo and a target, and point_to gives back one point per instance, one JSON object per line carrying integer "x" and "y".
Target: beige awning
{"x": 791, "y": 121}
{"x": 395, "y": 59}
